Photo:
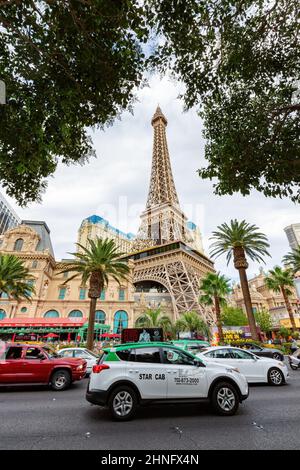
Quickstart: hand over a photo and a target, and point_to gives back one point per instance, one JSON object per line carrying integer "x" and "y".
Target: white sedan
{"x": 255, "y": 369}
{"x": 82, "y": 353}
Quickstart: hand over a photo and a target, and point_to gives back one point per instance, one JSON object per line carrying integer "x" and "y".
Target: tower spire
{"x": 162, "y": 221}
{"x": 159, "y": 115}
{"x": 162, "y": 188}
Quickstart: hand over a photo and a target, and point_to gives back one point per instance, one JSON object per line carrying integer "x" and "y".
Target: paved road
{"x": 42, "y": 419}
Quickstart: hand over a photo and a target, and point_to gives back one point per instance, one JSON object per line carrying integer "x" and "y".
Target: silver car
{"x": 83, "y": 353}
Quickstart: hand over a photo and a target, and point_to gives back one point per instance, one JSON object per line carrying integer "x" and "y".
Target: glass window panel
{"x": 174, "y": 356}
{"x": 150, "y": 355}
{"x": 75, "y": 314}
{"x": 51, "y": 314}
{"x": 82, "y": 294}
{"x": 100, "y": 317}
{"x": 62, "y": 293}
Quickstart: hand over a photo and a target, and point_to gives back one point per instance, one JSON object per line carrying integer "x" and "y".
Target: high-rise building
{"x": 97, "y": 227}
{"x": 8, "y": 217}
{"x": 293, "y": 235}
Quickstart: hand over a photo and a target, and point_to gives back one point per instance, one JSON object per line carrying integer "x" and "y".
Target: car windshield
{"x": 193, "y": 355}
{"x": 91, "y": 353}
{"x": 195, "y": 349}
{"x": 52, "y": 354}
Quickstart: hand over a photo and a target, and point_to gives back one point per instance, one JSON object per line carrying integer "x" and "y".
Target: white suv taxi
{"x": 134, "y": 374}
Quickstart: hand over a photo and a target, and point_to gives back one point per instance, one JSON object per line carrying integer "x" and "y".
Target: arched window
{"x": 75, "y": 314}
{"x": 120, "y": 321}
{"x": 51, "y": 314}
{"x": 100, "y": 317}
{"x": 18, "y": 244}
{"x": 2, "y": 314}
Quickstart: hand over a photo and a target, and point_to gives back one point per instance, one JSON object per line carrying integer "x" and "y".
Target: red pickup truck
{"x": 23, "y": 364}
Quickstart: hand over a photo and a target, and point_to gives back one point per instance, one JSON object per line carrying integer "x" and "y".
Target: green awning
{"x": 99, "y": 328}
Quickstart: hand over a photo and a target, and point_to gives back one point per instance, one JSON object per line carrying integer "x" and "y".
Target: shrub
{"x": 274, "y": 346}
{"x": 238, "y": 342}
{"x": 286, "y": 348}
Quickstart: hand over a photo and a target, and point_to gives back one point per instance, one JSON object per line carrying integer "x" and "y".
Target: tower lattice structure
{"x": 163, "y": 220}
{"x": 163, "y": 253}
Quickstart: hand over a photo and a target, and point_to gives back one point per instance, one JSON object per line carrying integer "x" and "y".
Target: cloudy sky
{"x": 115, "y": 184}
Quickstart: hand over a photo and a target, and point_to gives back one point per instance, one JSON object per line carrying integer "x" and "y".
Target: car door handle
{"x": 172, "y": 372}
{"x": 131, "y": 370}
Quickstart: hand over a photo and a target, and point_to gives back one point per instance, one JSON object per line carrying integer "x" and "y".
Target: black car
{"x": 264, "y": 352}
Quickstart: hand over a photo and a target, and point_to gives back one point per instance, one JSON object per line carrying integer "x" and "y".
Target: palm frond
{"x": 278, "y": 279}
{"x": 292, "y": 259}
{"x": 239, "y": 234}
{"x": 15, "y": 278}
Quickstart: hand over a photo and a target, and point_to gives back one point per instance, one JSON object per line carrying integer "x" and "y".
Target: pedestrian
{"x": 294, "y": 345}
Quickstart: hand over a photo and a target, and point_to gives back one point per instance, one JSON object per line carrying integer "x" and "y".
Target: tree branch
{"x": 286, "y": 109}
{"x": 22, "y": 36}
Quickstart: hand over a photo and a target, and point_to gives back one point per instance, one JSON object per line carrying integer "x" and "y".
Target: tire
{"x": 123, "y": 403}
{"x": 224, "y": 399}
{"x": 293, "y": 367}
{"x": 275, "y": 377}
{"x": 277, "y": 357}
{"x": 60, "y": 380}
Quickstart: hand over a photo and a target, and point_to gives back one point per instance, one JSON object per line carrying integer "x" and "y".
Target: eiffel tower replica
{"x": 163, "y": 251}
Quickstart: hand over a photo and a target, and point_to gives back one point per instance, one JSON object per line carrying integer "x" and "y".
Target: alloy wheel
{"x": 122, "y": 403}
{"x": 276, "y": 377}
{"x": 226, "y": 399}
{"x": 60, "y": 381}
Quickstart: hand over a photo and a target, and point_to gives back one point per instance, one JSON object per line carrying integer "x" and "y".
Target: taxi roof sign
{"x": 141, "y": 335}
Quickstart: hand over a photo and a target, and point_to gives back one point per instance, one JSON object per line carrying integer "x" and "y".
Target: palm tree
{"x": 15, "y": 279}
{"x": 279, "y": 280}
{"x": 241, "y": 240}
{"x": 293, "y": 259}
{"x": 153, "y": 318}
{"x": 192, "y": 322}
{"x": 96, "y": 264}
{"x": 215, "y": 287}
